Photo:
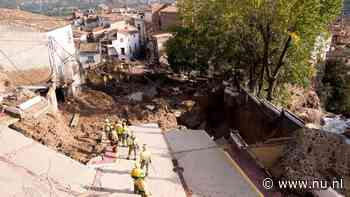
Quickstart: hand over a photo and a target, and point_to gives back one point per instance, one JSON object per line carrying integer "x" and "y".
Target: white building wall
{"x": 140, "y": 25}
{"x": 26, "y": 48}
{"x": 130, "y": 43}
{"x": 85, "y": 58}
{"x": 29, "y": 49}
{"x": 63, "y": 50}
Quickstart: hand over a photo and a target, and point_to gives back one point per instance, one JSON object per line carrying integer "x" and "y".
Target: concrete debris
{"x": 18, "y": 96}
{"x": 75, "y": 120}
{"x": 315, "y": 154}
{"x": 29, "y": 103}
{"x": 150, "y": 107}
{"x": 137, "y": 96}
{"x": 335, "y": 124}
{"x": 150, "y": 92}
{"x": 177, "y": 113}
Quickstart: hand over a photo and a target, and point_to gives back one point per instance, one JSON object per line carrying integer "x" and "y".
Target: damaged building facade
{"x": 40, "y": 46}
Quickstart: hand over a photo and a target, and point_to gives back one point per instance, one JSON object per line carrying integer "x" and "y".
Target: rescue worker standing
{"x": 108, "y": 127}
{"x": 125, "y": 134}
{"x": 136, "y": 174}
{"x": 145, "y": 157}
{"x": 142, "y": 188}
{"x": 132, "y": 145}
{"x": 120, "y": 132}
{"x": 115, "y": 140}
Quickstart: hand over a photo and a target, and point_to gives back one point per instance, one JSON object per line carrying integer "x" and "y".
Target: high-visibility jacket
{"x": 132, "y": 141}
{"x": 125, "y": 130}
{"x": 108, "y": 127}
{"x": 145, "y": 156}
{"x": 119, "y": 129}
{"x": 141, "y": 185}
{"x": 137, "y": 173}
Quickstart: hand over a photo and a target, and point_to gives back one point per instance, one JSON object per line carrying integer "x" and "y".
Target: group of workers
{"x": 119, "y": 135}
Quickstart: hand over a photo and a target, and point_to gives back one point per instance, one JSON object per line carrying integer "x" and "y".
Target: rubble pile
{"x": 306, "y": 104}
{"x": 52, "y": 130}
{"x": 18, "y": 96}
{"x": 88, "y": 102}
{"x": 315, "y": 154}
{"x": 4, "y": 82}
{"x": 156, "y": 113}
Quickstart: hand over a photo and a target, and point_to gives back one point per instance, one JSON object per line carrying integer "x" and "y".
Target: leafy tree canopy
{"x": 271, "y": 40}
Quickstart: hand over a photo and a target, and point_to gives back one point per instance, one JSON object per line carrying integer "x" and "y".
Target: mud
{"x": 315, "y": 154}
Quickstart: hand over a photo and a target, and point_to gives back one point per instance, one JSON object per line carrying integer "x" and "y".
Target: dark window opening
{"x": 60, "y": 95}
{"x": 122, "y": 51}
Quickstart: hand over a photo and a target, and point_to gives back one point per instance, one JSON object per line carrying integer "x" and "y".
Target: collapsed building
{"x": 38, "y": 52}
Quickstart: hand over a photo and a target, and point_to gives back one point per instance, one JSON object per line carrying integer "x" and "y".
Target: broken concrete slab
{"x": 207, "y": 170}
{"x": 137, "y": 96}
{"x": 36, "y": 160}
{"x": 27, "y": 104}
{"x": 150, "y": 107}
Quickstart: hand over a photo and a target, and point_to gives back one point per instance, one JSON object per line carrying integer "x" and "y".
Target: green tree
{"x": 337, "y": 87}
{"x": 271, "y": 40}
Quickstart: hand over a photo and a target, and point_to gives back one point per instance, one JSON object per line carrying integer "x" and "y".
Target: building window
{"x": 122, "y": 51}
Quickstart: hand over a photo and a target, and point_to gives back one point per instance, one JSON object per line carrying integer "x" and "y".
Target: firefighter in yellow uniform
{"x": 120, "y": 132}
{"x": 142, "y": 188}
{"x": 114, "y": 137}
{"x": 145, "y": 158}
{"x": 136, "y": 174}
{"x": 132, "y": 145}
{"x": 108, "y": 128}
{"x": 125, "y": 134}
{"x": 105, "y": 80}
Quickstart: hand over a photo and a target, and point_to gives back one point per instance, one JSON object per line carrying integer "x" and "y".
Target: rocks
{"x": 315, "y": 154}
{"x": 150, "y": 107}
{"x": 150, "y": 92}
{"x": 347, "y": 133}
{"x": 137, "y": 96}
{"x": 309, "y": 115}
{"x": 306, "y": 104}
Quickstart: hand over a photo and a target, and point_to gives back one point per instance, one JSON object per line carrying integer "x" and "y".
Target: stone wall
{"x": 256, "y": 120}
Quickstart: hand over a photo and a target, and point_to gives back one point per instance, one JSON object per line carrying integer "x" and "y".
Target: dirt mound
{"x": 161, "y": 115}
{"x": 314, "y": 155}
{"x": 306, "y": 104}
{"x": 81, "y": 143}
{"x": 18, "y": 96}
{"x": 89, "y": 101}
{"x": 4, "y": 82}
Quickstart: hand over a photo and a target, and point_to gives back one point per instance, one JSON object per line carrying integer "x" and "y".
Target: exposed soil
{"x": 316, "y": 155}
{"x": 15, "y": 78}
{"x": 53, "y": 131}
{"x": 161, "y": 100}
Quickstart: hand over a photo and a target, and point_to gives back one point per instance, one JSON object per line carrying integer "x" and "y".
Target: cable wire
{"x": 14, "y": 66}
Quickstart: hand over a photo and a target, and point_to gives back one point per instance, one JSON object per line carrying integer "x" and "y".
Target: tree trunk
{"x": 261, "y": 80}
{"x": 271, "y": 88}
{"x": 273, "y": 79}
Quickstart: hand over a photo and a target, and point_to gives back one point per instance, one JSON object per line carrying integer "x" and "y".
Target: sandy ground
{"x": 94, "y": 106}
